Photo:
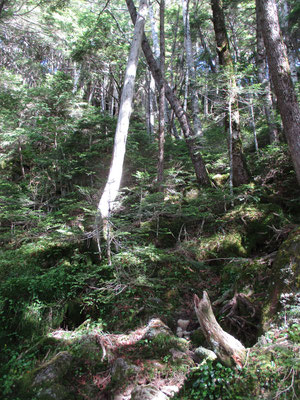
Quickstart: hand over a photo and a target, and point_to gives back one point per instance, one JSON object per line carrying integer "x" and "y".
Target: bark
{"x": 285, "y": 10}
{"x": 154, "y": 34}
{"x": 253, "y": 123}
{"x": 197, "y": 160}
{"x": 239, "y": 167}
{"x": 191, "y": 68}
{"x": 229, "y": 350}
{"x": 115, "y": 173}
{"x": 281, "y": 78}
{"x": 150, "y": 101}
{"x": 265, "y": 83}
{"x": 161, "y": 134}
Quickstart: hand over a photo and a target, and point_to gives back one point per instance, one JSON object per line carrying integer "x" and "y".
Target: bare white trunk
{"x": 115, "y": 173}
{"x": 154, "y": 33}
{"x": 191, "y": 68}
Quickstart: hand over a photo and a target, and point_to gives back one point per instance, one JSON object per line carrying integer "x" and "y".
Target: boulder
{"x": 202, "y": 354}
{"x": 147, "y": 393}
{"x": 54, "y": 369}
{"x": 156, "y": 327}
{"x": 53, "y": 392}
{"x": 121, "y": 370}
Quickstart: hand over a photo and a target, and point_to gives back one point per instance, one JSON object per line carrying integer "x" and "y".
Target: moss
{"x": 220, "y": 245}
{"x": 285, "y": 276}
{"x": 160, "y": 345}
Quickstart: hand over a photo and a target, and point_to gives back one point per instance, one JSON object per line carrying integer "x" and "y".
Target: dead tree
{"x": 228, "y": 349}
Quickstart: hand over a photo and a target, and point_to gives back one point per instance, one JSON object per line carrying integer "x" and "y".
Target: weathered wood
{"x": 228, "y": 349}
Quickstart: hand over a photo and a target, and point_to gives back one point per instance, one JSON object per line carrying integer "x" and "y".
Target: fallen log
{"x": 228, "y": 349}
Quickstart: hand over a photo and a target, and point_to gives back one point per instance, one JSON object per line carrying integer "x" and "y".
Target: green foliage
{"x": 159, "y": 346}
{"x": 214, "y": 381}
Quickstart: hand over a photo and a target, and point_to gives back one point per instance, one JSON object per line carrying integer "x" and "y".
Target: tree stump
{"x": 228, "y": 349}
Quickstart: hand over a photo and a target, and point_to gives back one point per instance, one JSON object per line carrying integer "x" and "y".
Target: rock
{"x": 121, "y": 370}
{"x": 170, "y": 390}
{"x": 203, "y": 354}
{"x": 176, "y": 354}
{"x": 179, "y": 332}
{"x": 54, "y": 369}
{"x": 54, "y": 392}
{"x": 183, "y": 324}
{"x": 88, "y": 348}
{"x": 147, "y": 393}
{"x": 155, "y": 327}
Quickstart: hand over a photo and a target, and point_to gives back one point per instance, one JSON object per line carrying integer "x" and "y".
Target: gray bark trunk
{"x": 265, "y": 83}
{"x": 285, "y": 9}
{"x": 191, "y": 68}
{"x": 281, "y": 78}
{"x": 239, "y": 166}
{"x": 161, "y": 134}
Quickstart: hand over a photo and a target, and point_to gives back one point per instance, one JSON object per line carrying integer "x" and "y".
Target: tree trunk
{"x": 115, "y": 173}
{"x": 161, "y": 133}
{"x": 229, "y": 350}
{"x": 239, "y": 171}
{"x": 251, "y": 107}
{"x": 193, "y": 148}
{"x": 281, "y": 78}
{"x": 191, "y": 68}
{"x": 265, "y": 84}
{"x": 285, "y": 10}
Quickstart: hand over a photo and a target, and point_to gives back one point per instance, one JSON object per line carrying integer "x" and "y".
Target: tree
{"x": 161, "y": 135}
{"x": 281, "y": 78}
{"x": 191, "y": 69}
{"x": 239, "y": 169}
{"x": 193, "y": 148}
{"x": 112, "y": 186}
{"x": 265, "y": 83}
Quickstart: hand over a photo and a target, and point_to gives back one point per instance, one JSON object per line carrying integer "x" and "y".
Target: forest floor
{"x": 74, "y": 327}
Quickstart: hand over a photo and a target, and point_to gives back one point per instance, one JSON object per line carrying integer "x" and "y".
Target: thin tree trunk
{"x": 191, "y": 68}
{"x": 161, "y": 134}
{"x": 253, "y": 123}
{"x": 240, "y": 171}
{"x": 281, "y": 78}
{"x": 115, "y": 173}
{"x": 265, "y": 83}
{"x": 193, "y": 148}
{"x": 186, "y": 89}
{"x": 154, "y": 34}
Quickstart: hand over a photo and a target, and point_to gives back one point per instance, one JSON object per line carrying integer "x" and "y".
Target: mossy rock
{"x": 87, "y": 349}
{"x": 45, "y": 382}
{"x": 260, "y": 227}
{"x": 53, "y": 392}
{"x": 285, "y": 279}
{"x": 256, "y": 223}
{"x": 220, "y": 245}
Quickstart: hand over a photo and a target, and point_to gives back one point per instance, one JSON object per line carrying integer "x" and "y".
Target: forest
{"x": 149, "y": 199}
